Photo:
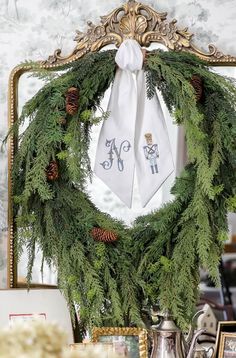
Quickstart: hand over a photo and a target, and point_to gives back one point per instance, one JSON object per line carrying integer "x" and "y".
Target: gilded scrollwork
{"x": 214, "y": 55}
{"x": 142, "y": 23}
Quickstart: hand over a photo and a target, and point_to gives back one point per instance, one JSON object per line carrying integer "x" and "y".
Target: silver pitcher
{"x": 169, "y": 342}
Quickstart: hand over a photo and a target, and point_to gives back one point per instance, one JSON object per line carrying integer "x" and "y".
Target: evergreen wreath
{"x": 108, "y": 269}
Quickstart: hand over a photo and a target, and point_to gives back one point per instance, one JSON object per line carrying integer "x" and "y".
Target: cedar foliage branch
{"x": 158, "y": 259}
{"x": 190, "y": 231}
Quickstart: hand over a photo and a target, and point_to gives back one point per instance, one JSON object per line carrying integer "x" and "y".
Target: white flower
{"x": 40, "y": 339}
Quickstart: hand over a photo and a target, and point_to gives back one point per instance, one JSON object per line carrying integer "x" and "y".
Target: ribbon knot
{"x": 135, "y": 134}
{"x": 129, "y": 56}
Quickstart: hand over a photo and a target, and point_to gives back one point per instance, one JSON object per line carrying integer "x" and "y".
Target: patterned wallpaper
{"x": 34, "y": 29}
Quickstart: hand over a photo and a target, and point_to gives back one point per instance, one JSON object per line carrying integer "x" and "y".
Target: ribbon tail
{"x": 114, "y": 163}
{"x": 153, "y": 157}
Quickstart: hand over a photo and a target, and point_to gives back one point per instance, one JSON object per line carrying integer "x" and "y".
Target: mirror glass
{"x": 231, "y": 73}
{"x": 101, "y": 195}
{"x": 226, "y": 294}
{"x": 28, "y": 87}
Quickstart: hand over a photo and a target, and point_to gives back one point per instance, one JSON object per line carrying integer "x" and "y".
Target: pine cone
{"x": 97, "y": 234}
{"x": 52, "y": 171}
{"x": 103, "y": 235}
{"x": 197, "y": 83}
{"x": 109, "y": 236}
{"x": 72, "y": 98}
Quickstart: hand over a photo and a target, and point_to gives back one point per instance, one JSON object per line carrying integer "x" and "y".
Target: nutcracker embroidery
{"x": 151, "y": 153}
{"x": 115, "y": 151}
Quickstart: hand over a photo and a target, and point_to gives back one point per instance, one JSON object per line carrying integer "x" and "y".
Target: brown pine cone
{"x": 197, "y": 83}
{"x": 52, "y": 171}
{"x": 72, "y": 101}
{"x": 97, "y": 234}
{"x": 103, "y": 235}
{"x": 109, "y": 236}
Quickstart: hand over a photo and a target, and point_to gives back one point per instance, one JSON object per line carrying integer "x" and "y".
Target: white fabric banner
{"x": 135, "y": 134}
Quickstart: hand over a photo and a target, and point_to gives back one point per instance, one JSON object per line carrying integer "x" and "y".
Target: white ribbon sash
{"x": 135, "y": 134}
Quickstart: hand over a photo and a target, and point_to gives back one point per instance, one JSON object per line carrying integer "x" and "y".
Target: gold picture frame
{"x": 228, "y": 327}
{"x": 92, "y": 348}
{"x": 119, "y": 335}
{"x": 227, "y": 348}
{"x": 130, "y": 20}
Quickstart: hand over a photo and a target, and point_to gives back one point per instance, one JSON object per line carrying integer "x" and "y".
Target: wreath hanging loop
{"x": 157, "y": 260}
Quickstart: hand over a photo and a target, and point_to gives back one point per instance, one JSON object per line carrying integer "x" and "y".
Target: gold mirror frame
{"x": 131, "y": 20}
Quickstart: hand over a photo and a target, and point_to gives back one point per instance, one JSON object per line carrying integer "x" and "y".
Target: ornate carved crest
{"x": 142, "y": 23}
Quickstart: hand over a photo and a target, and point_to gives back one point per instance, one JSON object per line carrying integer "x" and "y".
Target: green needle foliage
{"x": 158, "y": 259}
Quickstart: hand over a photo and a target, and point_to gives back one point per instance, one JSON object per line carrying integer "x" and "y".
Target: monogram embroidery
{"x": 115, "y": 152}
